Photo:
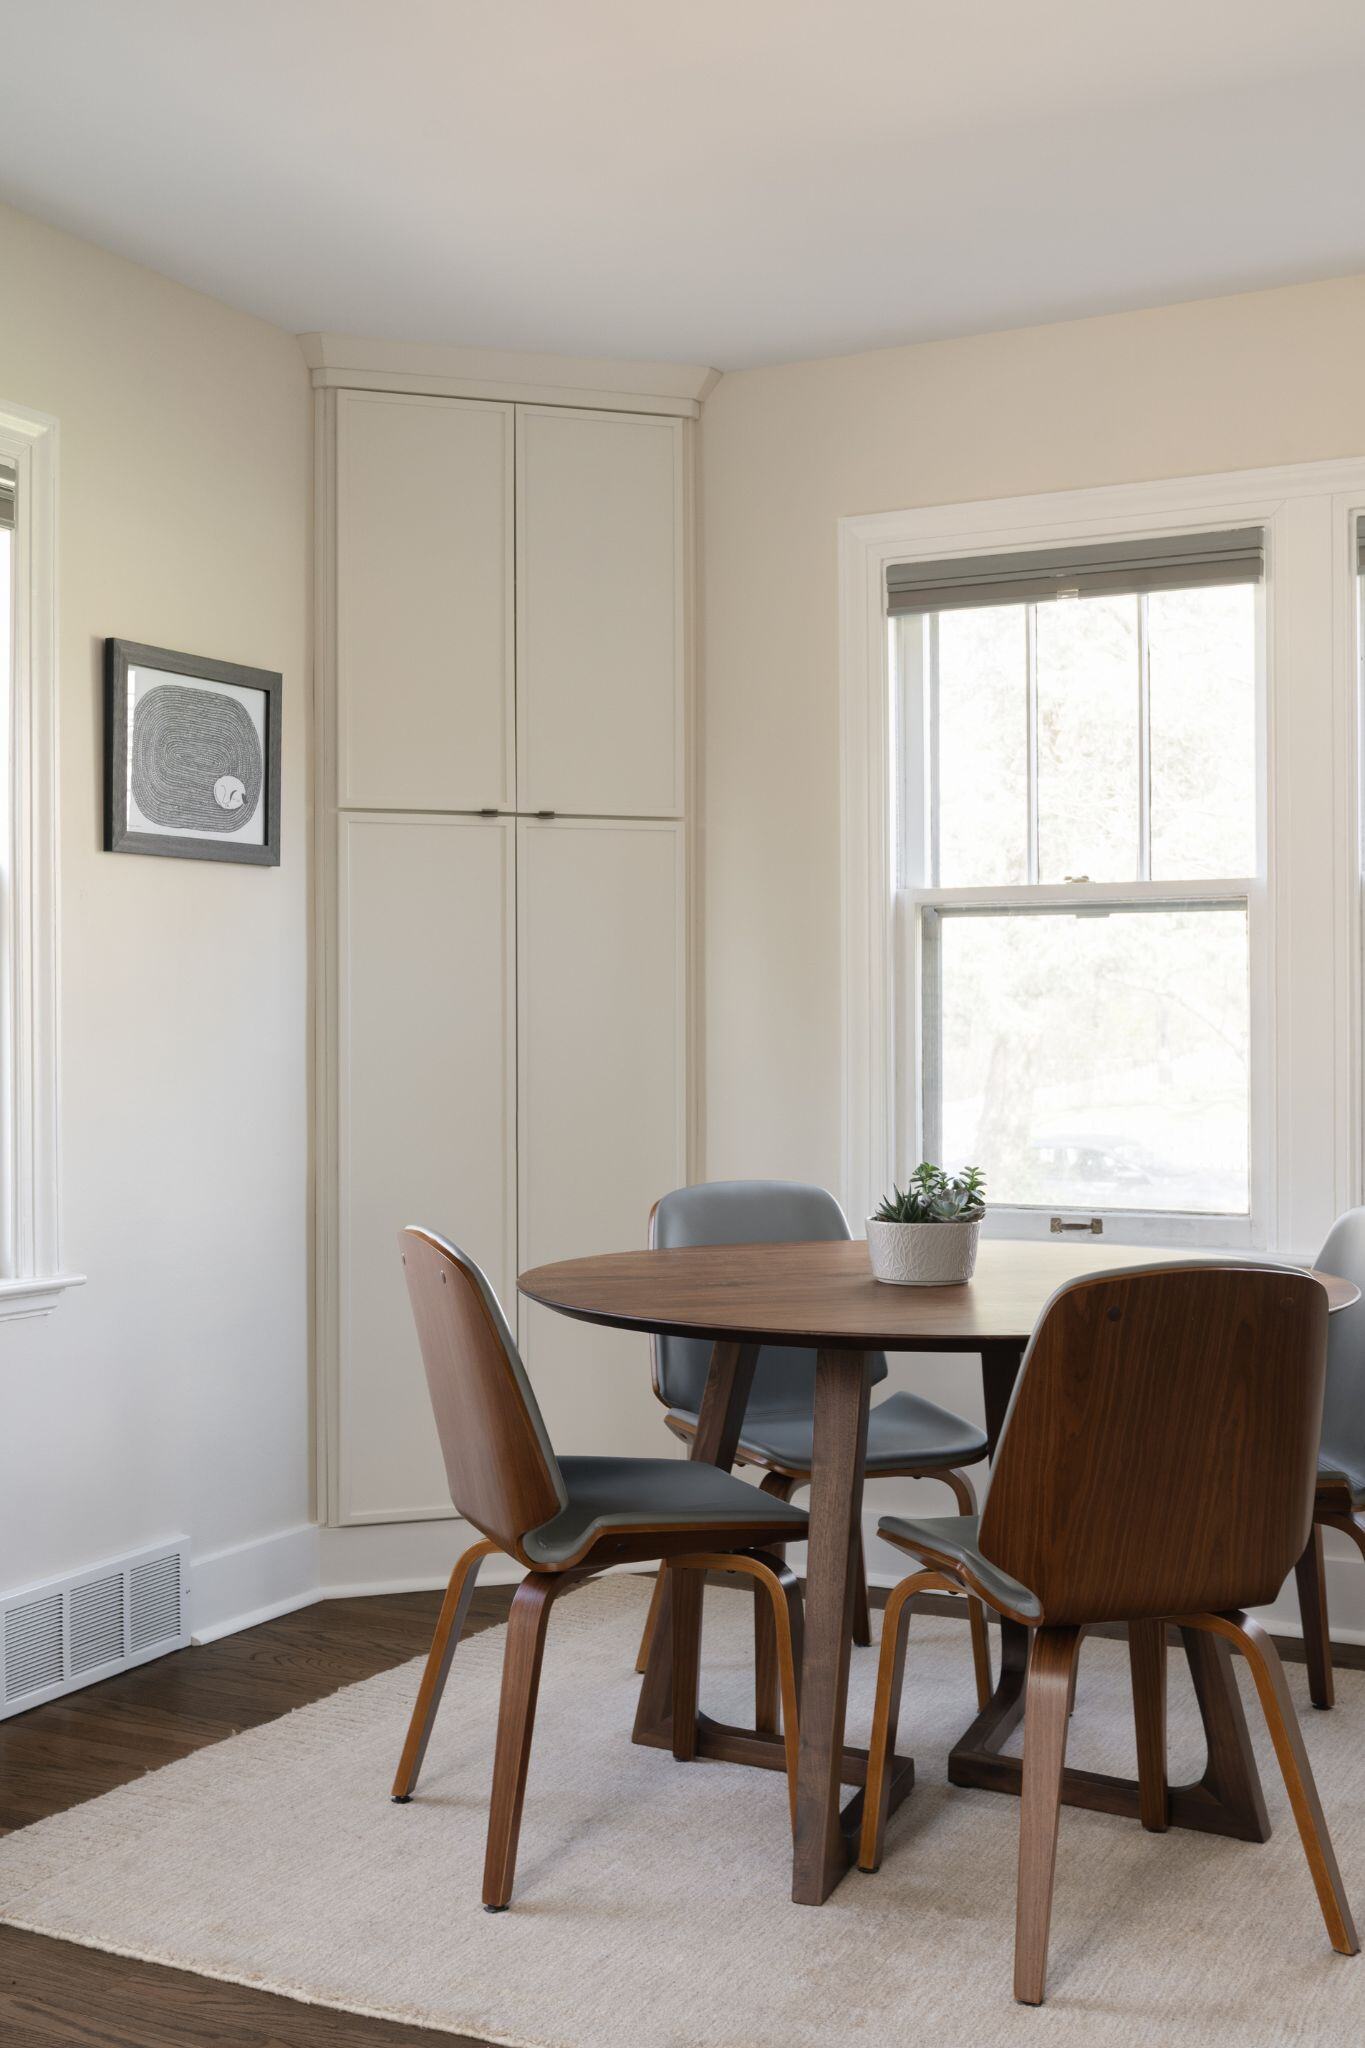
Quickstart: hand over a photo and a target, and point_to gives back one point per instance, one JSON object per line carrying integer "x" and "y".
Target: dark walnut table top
{"x": 824, "y": 1294}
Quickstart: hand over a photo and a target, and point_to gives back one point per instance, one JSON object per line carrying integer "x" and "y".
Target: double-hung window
{"x": 1080, "y": 859}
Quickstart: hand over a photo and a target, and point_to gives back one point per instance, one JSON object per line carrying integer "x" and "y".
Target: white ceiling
{"x": 726, "y": 182}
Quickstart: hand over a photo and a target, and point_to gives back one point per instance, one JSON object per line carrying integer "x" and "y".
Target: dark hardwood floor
{"x": 54, "y": 1995}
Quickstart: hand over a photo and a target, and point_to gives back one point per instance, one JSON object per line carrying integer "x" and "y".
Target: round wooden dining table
{"x": 823, "y": 1296}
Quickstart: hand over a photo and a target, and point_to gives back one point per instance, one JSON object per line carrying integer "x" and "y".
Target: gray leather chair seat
{"x": 903, "y": 1430}
{"x": 1343, "y": 1409}
{"x": 955, "y": 1537}
{"x": 632, "y": 1493}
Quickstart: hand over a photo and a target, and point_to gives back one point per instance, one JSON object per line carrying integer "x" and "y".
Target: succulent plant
{"x": 933, "y": 1196}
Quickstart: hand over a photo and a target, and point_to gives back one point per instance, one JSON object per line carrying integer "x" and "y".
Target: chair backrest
{"x": 1159, "y": 1456}
{"x": 743, "y": 1212}
{"x": 1343, "y": 1409}
{"x": 504, "y": 1476}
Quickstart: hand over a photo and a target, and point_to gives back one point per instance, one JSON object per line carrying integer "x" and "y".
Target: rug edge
{"x": 389, "y": 2014}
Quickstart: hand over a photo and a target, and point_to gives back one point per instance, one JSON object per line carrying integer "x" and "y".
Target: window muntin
{"x": 1104, "y": 751}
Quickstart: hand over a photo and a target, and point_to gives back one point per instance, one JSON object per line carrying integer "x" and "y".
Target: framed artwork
{"x": 191, "y": 756}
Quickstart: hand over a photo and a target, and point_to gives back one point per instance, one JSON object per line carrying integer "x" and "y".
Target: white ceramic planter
{"x": 923, "y": 1254}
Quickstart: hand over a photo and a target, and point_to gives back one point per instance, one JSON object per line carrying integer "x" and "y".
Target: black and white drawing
{"x": 192, "y": 756}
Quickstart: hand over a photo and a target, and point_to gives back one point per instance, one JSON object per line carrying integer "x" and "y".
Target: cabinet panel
{"x": 601, "y": 1117}
{"x": 425, "y": 642}
{"x": 600, "y": 613}
{"x": 427, "y": 1118}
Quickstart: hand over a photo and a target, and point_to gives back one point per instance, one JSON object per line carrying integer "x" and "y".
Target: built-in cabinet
{"x": 601, "y": 1095}
{"x": 599, "y": 614}
{"x": 425, "y": 603}
{"x": 503, "y": 927}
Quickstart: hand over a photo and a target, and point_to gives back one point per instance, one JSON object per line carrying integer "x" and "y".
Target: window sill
{"x": 38, "y": 1297}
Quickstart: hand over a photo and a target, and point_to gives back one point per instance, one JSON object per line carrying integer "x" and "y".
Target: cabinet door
{"x": 426, "y": 1125}
{"x": 424, "y": 657}
{"x": 601, "y": 1115}
{"x": 600, "y": 613}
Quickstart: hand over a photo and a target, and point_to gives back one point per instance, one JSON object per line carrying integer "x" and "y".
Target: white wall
{"x": 171, "y": 1392}
{"x": 1220, "y": 385}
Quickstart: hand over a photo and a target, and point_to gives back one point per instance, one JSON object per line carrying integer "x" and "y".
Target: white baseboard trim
{"x": 395, "y": 1557}
{"x": 252, "y": 1582}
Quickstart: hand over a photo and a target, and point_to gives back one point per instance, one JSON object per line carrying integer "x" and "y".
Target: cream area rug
{"x": 652, "y": 1908}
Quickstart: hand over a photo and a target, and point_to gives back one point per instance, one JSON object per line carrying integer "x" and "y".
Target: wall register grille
{"x": 73, "y": 1631}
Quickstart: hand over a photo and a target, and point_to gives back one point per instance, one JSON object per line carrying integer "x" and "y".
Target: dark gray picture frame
{"x": 119, "y": 657}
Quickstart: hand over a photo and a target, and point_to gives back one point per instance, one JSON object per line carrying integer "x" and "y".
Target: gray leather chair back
{"x": 744, "y": 1212}
{"x": 1343, "y": 1413}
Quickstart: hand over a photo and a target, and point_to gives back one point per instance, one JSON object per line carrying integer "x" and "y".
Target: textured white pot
{"x": 923, "y": 1254}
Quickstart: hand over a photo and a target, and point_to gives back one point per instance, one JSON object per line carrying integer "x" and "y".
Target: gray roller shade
{"x": 1177, "y": 561}
{"x": 6, "y": 495}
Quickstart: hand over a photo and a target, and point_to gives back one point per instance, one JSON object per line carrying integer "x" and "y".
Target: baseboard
{"x": 398, "y": 1557}
{"x": 253, "y": 1582}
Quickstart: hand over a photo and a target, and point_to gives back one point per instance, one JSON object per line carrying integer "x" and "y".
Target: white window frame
{"x": 1306, "y": 1161}
{"x": 32, "y": 1277}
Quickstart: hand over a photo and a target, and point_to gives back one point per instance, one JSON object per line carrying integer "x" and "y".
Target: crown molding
{"x": 353, "y": 363}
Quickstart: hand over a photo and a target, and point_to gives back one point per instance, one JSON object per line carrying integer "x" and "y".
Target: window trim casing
{"x": 1312, "y": 1165}
{"x": 32, "y": 1276}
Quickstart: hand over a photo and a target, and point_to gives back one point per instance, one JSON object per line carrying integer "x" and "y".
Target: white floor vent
{"x": 73, "y": 1631}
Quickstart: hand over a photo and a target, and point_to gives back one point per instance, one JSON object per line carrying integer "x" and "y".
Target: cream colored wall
{"x": 1219, "y": 385}
{"x": 171, "y": 1392}
{"x": 1222, "y": 384}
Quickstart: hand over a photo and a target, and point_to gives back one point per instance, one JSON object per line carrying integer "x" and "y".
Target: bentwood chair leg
{"x": 1278, "y": 1707}
{"x": 1147, "y": 1661}
{"x": 766, "y": 1676}
{"x": 886, "y": 1710}
{"x": 1317, "y": 1640}
{"x": 784, "y": 1606}
{"x": 886, "y": 1719}
{"x": 963, "y": 1491}
{"x": 779, "y": 1588}
{"x": 981, "y": 1648}
{"x": 516, "y": 1724}
{"x": 1349, "y": 1525}
{"x": 862, "y": 1617}
{"x": 1046, "y": 1713}
{"x": 450, "y": 1623}
{"x": 651, "y": 1622}
{"x": 686, "y": 1609}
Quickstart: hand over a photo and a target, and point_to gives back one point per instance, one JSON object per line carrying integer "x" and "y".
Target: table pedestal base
{"x": 725, "y": 1743}
{"x": 1227, "y": 1800}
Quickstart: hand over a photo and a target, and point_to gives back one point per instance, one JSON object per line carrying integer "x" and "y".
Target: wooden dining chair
{"x": 1157, "y": 1466}
{"x": 1340, "y": 1499}
{"x": 565, "y": 1519}
{"x": 907, "y": 1436}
